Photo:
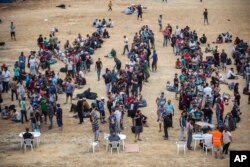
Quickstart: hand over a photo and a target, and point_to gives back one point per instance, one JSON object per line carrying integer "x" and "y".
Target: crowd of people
{"x": 199, "y": 98}
{"x": 123, "y": 88}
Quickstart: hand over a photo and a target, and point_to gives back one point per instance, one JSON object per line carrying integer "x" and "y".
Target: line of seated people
{"x": 103, "y": 23}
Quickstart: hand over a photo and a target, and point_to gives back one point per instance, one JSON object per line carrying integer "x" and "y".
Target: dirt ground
{"x": 70, "y": 148}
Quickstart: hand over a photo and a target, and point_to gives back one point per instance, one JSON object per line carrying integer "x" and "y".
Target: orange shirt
{"x": 217, "y": 136}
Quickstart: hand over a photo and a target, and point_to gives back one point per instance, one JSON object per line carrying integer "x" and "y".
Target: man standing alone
{"x": 12, "y": 31}
{"x": 125, "y": 44}
{"x": 205, "y": 14}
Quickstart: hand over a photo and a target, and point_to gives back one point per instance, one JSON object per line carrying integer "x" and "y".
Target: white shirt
{"x": 126, "y": 41}
{"x": 32, "y": 62}
{"x": 70, "y": 65}
{"x": 226, "y": 136}
{"x": 230, "y": 73}
{"x": 207, "y": 139}
{"x": 12, "y": 28}
{"x": 208, "y": 91}
{"x": 6, "y": 76}
{"x": 81, "y": 74}
{"x": 177, "y": 31}
{"x": 118, "y": 115}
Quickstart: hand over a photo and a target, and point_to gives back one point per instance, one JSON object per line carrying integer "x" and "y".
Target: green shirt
{"x": 43, "y": 105}
{"x": 22, "y": 105}
{"x": 16, "y": 72}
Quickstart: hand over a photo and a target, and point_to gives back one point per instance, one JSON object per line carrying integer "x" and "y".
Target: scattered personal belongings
{"x": 61, "y": 6}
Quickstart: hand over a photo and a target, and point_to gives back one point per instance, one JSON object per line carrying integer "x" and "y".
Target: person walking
{"x": 23, "y": 110}
{"x": 160, "y": 23}
{"x": 182, "y": 121}
{"x": 98, "y": 68}
{"x": 167, "y": 122}
{"x": 125, "y": 45}
{"x": 139, "y": 12}
{"x": 190, "y": 128}
{"x": 205, "y": 14}
{"x": 12, "y": 29}
{"x": 165, "y": 36}
{"x": 110, "y": 6}
{"x": 170, "y": 110}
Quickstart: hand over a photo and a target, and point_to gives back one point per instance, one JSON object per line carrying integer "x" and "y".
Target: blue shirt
{"x": 169, "y": 108}
{"x": 155, "y": 57}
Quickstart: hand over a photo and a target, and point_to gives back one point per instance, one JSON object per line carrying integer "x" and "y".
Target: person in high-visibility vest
{"x": 217, "y": 143}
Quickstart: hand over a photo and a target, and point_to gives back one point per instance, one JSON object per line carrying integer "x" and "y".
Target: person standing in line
{"x": 182, "y": 121}
{"x": 12, "y": 31}
{"x": 154, "y": 63}
{"x": 160, "y": 23}
{"x": 6, "y": 79}
{"x": 79, "y": 108}
{"x": 59, "y": 114}
{"x": 98, "y": 68}
{"x": 190, "y": 128}
{"x": 125, "y": 45}
{"x": 110, "y": 6}
{"x": 217, "y": 140}
{"x": 227, "y": 139}
{"x": 69, "y": 91}
{"x": 95, "y": 122}
{"x": 205, "y": 14}
{"x": 138, "y": 122}
{"x": 23, "y": 110}
{"x": 51, "y": 112}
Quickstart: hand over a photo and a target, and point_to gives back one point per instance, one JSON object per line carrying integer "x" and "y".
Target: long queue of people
{"x": 123, "y": 88}
{"x": 197, "y": 97}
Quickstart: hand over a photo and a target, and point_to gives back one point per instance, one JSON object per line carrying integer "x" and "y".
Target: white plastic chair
{"x": 208, "y": 146}
{"x": 114, "y": 145}
{"x": 180, "y": 146}
{"x": 92, "y": 145}
{"x": 28, "y": 142}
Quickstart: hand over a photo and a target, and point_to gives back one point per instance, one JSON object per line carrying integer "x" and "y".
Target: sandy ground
{"x": 70, "y": 148}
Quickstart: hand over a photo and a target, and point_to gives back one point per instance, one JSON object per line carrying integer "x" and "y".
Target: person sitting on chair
{"x": 114, "y": 137}
{"x": 28, "y": 135}
{"x": 203, "y": 39}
